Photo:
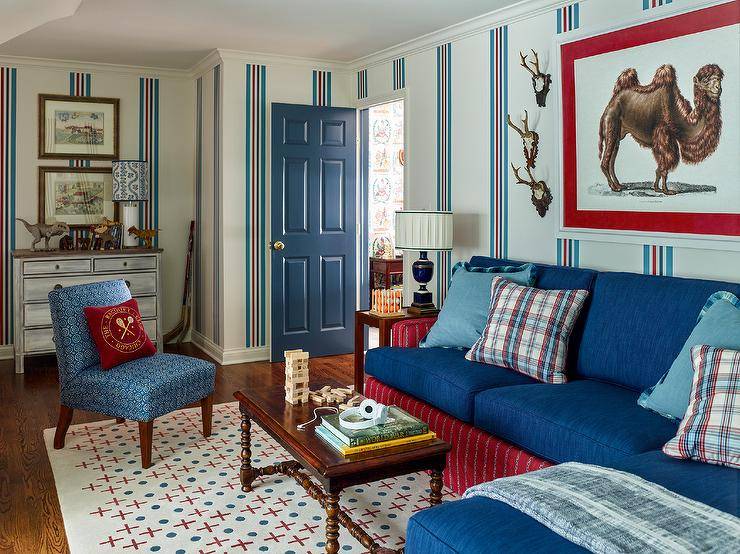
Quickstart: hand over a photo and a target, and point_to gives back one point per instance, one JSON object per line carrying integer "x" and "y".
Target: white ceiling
{"x": 179, "y": 33}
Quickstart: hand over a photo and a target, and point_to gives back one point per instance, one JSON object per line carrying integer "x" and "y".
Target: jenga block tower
{"x": 296, "y": 376}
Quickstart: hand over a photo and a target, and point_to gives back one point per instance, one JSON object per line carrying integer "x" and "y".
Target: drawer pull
{"x": 57, "y": 266}
{"x": 125, "y": 264}
{"x": 128, "y": 283}
{"x": 57, "y": 286}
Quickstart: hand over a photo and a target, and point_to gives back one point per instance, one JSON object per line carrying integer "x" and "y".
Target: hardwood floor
{"x": 30, "y": 519}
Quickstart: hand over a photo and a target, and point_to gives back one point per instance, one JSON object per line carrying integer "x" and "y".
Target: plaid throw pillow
{"x": 528, "y": 330}
{"x": 710, "y": 430}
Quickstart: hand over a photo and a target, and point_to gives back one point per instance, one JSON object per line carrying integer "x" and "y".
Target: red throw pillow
{"x": 118, "y": 333}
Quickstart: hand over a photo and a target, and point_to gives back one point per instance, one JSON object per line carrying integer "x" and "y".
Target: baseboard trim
{"x": 7, "y": 352}
{"x": 229, "y": 356}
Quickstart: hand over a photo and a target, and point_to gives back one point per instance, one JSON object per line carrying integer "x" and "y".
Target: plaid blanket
{"x": 605, "y": 510}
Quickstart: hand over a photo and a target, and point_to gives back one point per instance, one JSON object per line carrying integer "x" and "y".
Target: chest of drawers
{"x": 37, "y": 273}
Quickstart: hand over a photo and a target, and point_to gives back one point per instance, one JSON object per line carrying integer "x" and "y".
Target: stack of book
{"x": 404, "y": 429}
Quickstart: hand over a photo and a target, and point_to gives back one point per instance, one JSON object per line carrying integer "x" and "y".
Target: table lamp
{"x": 130, "y": 186}
{"x": 423, "y": 231}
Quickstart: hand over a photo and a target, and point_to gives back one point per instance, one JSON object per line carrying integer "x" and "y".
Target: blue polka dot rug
{"x": 190, "y": 500}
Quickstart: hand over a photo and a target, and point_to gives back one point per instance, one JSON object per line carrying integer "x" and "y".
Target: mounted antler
{"x": 541, "y": 195}
{"x": 540, "y": 81}
{"x": 530, "y": 139}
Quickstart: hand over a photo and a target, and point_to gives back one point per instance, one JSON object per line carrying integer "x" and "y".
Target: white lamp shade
{"x": 423, "y": 230}
{"x": 130, "y": 180}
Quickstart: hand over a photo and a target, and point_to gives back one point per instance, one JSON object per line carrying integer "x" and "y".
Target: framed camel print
{"x": 649, "y": 129}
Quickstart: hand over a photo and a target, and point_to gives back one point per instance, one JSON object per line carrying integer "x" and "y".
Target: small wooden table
{"x": 383, "y": 324}
{"x": 266, "y": 405}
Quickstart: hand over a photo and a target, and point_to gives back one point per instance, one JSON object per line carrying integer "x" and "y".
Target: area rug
{"x": 190, "y": 500}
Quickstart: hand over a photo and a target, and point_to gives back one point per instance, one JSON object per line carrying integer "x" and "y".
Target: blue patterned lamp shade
{"x": 130, "y": 180}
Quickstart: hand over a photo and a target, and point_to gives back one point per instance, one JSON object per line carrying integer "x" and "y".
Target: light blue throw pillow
{"x": 465, "y": 310}
{"x": 718, "y": 326}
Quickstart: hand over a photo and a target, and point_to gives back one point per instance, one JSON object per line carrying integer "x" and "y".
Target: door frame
{"x": 363, "y": 256}
{"x": 268, "y": 212}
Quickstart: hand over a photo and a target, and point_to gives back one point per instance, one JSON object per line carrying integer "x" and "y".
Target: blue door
{"x": 313, "y": 235}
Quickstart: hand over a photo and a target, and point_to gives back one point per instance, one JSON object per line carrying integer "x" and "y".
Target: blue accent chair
{"x": 140, "y": 390}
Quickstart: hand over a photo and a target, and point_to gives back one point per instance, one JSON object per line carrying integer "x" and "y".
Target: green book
{"x": 403, "y": 425}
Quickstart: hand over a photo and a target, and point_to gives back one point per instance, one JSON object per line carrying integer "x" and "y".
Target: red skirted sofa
{"x": 476, "y": 456}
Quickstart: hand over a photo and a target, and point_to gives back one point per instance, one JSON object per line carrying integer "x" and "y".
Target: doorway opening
{"x": 383, "y": 159}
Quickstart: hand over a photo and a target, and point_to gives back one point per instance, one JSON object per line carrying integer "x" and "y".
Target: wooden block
{"x": 327, "y": 388}
{"x": 355, "y": 400}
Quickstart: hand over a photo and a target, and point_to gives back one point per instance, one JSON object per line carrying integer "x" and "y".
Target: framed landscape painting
{"x": 78, "y": 196}
{"x": 649, "y": 129}
{"x": 78, "y": 127}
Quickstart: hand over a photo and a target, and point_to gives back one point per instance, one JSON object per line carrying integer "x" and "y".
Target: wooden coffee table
{"x": 322, "y": 471}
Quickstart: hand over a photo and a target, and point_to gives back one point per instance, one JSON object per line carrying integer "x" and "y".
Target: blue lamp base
{"x": 423, "y": 271}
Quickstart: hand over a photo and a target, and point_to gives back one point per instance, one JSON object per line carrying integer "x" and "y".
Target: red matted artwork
{"x": 650, "y": 123}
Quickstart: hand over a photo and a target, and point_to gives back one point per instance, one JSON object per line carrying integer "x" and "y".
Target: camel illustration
{"x": 659, "y": 117}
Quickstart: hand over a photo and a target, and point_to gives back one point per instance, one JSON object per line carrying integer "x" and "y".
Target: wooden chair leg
{"x": 145, "y": 442}
{"x": 206, "y": 408}
{"x": 65, "y": 418}
{"x": 120, "y": 420}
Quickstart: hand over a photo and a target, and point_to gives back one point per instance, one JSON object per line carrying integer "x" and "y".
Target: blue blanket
{"x": 605, "y": 510}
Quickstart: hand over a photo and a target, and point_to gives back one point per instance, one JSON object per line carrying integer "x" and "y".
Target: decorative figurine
{"x": 66, "y": 243}
{"x": 540, "y": 81}
{"x": 296, "y": 376}
{"x": 143, "y": 234}
{"x": 103, "y": 238}
{"x": 44, "y": 231}
{"x": 541, "y": 195}
{"x": 530, "y": 139}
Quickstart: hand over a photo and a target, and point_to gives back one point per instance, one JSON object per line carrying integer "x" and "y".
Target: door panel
{"x": 313, "y": 214}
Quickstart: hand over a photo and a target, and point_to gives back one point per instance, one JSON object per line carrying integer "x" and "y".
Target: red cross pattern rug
{"x": 190, "y": 500}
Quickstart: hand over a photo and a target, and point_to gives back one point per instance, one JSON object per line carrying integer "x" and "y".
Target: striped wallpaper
{"x": 649, "y": 4}
{"x": 399, "y": 73}
{"x": 569, "y": 252}
{"x": 8, "y": 81}
{"x": 80, "y": 84}
{"x": 198, "y": 319}
{"x": 149, "y": 150}
{"x": 657, "y": 260}
{"x": 321, "y": 88}
{"x": 567, "y": 18}
{"x": 444, "y": 156}
{"x": 256, "y": 147}
{"x": 362, "y": 84}
{"x": 499, "y": 142}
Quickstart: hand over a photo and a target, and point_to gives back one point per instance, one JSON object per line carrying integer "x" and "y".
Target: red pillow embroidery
{"x": 118, "y": 333}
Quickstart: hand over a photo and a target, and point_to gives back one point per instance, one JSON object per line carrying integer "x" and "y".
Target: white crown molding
{"x": 525, "y": 9}
{"x": 72, "y": 65}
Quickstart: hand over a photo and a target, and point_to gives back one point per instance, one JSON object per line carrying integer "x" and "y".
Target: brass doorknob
{"x": 277, "y": 245}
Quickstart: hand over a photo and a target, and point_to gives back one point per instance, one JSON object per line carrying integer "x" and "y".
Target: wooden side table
{"x": 383, "y": 324}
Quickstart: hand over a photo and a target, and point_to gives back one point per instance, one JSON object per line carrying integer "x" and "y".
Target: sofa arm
{"x": 409, "y": 332}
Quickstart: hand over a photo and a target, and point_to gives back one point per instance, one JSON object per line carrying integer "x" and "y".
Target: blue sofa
{"x": 627, "y": 336}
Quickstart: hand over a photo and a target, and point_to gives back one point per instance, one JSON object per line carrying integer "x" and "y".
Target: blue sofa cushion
{"x": 441, "y": 377}
{"x": 717, "y": 486}
{"x": 719, "y": 326}
{"x": 581, "y": 421}
{"x": 464, "y": 314}
{"x": 551, "y": 277}
{"x": 637, "y": 325}
{"x": 142, "y": 389}
{"x": 478, "y": 525}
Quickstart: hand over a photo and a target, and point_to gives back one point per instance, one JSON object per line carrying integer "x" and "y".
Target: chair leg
{"x": 145, "y": 442}
{"x": 120, "y": 420}
{"x": 206, "y": 409}
{"x": 65, "y": 418}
